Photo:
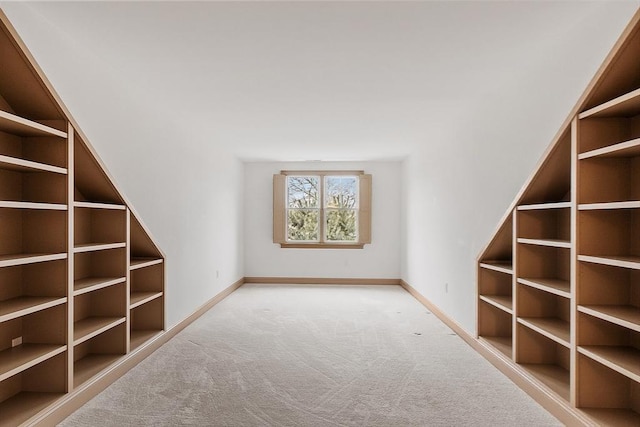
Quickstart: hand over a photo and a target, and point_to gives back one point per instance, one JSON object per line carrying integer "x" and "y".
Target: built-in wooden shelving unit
{"x": 73, "y": 301}
{"x": 573, "y": 328}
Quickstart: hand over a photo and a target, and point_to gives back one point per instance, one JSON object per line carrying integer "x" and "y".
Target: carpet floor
{"x": 272, "y": 355}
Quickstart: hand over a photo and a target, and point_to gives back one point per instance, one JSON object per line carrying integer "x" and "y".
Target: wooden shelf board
{"x": 22, "y": 357}
{"x": 613, "y": 417}
{"x": 90, "y": 327}
{"x": 19, "y": 408}
{"x": 144, "y": 262}
{"x": 21, "y": 259}
{"x": 503, "y": 302}
{"x": 544, "y": 206}
{"x": 503, "y": 344}
{"x": 21, "y": 165}
{"x": 21, "y": 306}
{"x": 139, "y": 337}
{"x": 629, "y": 148}
{"x": 624, "y": 105}
{"x": 554, "y": 243}
{"x": 554, "y": 286}
{"x": 633, "y": 204}
{"x": 140, "y": 298}
{"x": 555, "y": 329}
{"x": 624, "y": 360}
{"x": 615, "y": 261}
{"x": 90, "y": 365}
{"x": 20, "y": 126}
{"x": 90, "y": 247}
{"x": 624, "y": 315}
{"x": 93, "y": 205}
{"x": 500, "y": 266}
{"x": 552, "y": 376}
{"x": 90, "y": 284}
{"x": 32, "y": 205}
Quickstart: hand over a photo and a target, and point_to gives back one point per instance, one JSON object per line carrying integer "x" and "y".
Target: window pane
{"x": 342, "y": 225}
{"x": 341, "y": 192}
{"x": 302, "y": 225}
{"x": 302, "y": 191}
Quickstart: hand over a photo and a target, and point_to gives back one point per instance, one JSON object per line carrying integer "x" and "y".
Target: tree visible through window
{"x": 322, "y": 208}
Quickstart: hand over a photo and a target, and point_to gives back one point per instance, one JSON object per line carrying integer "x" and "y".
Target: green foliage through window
{"x": 339, "y": 208}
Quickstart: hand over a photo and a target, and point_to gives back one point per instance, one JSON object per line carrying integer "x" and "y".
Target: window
{"x": 322, "y": 209}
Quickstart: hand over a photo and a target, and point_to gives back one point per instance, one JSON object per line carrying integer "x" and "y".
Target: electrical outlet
{"x": 16, "y": 342}
{"x": 446, "y": 288}
{"x": 217, "y": 274}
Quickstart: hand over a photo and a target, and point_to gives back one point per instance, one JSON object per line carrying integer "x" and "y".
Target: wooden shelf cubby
{"x": 147, "y": 320}
{"x": 97, "y": 311}
{"x": 25, "y": 394}
{"x": 70, "y": 305}
{"x": 93, "y": 355}
{"x": 99, "y": 269}
{"x": 99, "y": 226}
{"x": 495, "y": 291}
{"x": 545, "y": 359}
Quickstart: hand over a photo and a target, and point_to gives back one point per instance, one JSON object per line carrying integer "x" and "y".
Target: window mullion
{"x": 322, "y": 211}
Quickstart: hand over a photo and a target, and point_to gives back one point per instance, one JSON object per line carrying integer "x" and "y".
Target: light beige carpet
{"x": 314, "y": 356}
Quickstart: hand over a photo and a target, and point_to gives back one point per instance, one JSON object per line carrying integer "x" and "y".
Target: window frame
{"x": 280, "y": 210}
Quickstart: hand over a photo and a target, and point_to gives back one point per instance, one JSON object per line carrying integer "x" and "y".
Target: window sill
{"x": 322, "y": 245}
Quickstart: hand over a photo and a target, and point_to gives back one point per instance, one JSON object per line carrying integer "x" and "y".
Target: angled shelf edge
{"x": 24, "y": 305}
{"x": 555, "y": 329}
{"x": 21, "y": 165}
{"x": 137, "y": 263}
{"x": 627, "y": 104}
{"x": 140, "y": 298}
{"x": 624, "y": 360}
{"x": 554, "y": 286}
{"x": 24, "y": 127}
{"x": 85, "y": 329}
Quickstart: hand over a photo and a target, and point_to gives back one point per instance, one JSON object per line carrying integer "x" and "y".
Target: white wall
{"x": 457, "y": 188}
{"x": 190, "y": 198}
{"x": 380, "y": 259}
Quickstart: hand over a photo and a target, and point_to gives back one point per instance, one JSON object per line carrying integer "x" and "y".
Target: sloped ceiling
{"x": 318, "y": 80}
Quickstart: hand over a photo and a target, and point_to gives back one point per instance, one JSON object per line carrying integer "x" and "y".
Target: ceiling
{"x": 315, "y": 80}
